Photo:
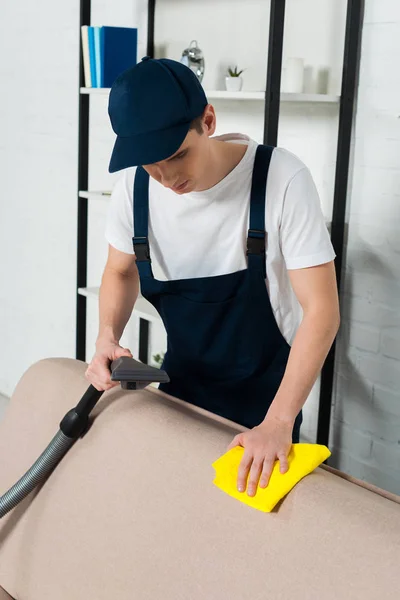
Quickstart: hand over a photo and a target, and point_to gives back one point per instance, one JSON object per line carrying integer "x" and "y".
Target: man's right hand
{"x": 98, "y": 372}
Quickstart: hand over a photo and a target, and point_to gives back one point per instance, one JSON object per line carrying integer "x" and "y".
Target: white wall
{"x": 38, "y": 165}
{"x": 309, "y": 130}
{"x": 39, "y": 45}
{"x": 38, "y": 158}
{"x": 366, "y": 434}
{"x": 44, "y": 325}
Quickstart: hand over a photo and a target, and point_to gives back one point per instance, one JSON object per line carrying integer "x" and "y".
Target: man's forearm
{"x": 118, "y": 294}
{"x": 310, "y": 347}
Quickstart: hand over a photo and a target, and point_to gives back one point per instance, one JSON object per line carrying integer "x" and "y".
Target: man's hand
{"x": 98, "y": 372}
{"x": 270, "y": 440}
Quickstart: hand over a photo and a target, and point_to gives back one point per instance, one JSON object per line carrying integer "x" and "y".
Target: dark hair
{"x": 197, "y": 124}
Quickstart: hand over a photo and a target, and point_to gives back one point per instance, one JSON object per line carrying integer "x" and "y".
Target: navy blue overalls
{"x": 225, "y": 352}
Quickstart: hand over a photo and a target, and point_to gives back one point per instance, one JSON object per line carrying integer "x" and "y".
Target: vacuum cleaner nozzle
{"x": 135, "y": 375}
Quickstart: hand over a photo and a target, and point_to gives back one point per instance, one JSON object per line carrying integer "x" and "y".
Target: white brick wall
{"x": 366, "y": 426}
{"x": 39, "y": 49}
{"x": 38, "y": 166}
{"x": 38, "y": 145}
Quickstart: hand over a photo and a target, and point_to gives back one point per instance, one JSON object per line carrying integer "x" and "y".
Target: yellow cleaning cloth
{"x": 302, "y": 460}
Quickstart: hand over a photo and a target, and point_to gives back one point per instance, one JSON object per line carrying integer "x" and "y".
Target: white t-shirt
{"x": 203, "y": 234}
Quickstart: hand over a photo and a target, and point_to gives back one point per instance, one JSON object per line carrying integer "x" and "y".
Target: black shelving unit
{"x": 83, "y": 179}
{"x": 351, "y": 64}
{"x": 351, "y": 61}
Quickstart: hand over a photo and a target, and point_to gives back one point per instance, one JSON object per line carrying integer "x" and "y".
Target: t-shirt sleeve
{"x": 305, "y": 239}
{"x": 119, "y": 223}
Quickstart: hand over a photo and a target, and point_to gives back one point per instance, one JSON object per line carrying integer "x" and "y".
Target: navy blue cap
{"x": 151, "y": 106}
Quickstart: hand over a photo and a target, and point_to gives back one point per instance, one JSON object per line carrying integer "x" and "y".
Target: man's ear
{"x": 209, "y": 120}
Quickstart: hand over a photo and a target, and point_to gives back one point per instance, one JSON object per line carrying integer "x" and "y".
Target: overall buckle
{"x": 256, "y": 242}
{"x": 141, "y": 248}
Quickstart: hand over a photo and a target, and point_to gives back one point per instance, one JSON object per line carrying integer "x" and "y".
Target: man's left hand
{"x": 263, "y": 445}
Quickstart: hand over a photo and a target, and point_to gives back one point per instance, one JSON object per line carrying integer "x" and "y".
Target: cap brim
{"x": 147, "y": 148}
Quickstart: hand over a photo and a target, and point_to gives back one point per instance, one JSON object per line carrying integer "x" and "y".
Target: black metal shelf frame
{"x": 351, "y": 61}
{"x": 83, "y": 179}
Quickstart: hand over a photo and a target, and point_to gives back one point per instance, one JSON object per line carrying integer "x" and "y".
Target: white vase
{"x": 292, "y": 76}
{"x": 233, "y": 84}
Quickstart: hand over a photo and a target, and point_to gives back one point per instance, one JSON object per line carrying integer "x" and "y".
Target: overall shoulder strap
{"x": 141, "y": 222}
{"x": 256, "y": 233}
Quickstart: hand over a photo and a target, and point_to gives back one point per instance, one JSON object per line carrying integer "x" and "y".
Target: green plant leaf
{"x": 234, "y": 72}
{"x": 158, "y": 358}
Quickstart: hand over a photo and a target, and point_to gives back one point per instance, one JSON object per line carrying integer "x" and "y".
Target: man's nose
{"x": 168, "y": 177}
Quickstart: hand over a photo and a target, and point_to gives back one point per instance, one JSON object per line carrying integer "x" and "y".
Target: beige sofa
{"x": 131, "y": 511}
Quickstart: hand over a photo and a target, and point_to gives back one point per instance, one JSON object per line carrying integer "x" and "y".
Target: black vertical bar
{"x": 151, "y": 9}
{"x": 82, "y": 221}
{"x": 351, "y": 63}
{"x": 144, "y": 341}
{"x": 143, "y": 323}
{"x": 273, "y": 86}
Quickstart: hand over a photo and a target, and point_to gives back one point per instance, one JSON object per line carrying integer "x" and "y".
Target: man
{"x": 230, "y": 244}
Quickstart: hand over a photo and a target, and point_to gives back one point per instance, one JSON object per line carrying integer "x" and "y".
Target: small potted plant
{"x": 158, "y": 359}
{"x": 233, "y": 81}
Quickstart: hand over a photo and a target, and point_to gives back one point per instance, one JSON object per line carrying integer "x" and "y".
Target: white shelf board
{"x": 311, "y": 98}
{"x": 95, "y": 91}
{"x": 142, "y": 307}
{"x": 92, "y": 194}
{"x": 223, "y": 95}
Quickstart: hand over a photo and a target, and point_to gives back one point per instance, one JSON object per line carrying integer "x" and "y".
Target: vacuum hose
{"x": 131, "y": 373}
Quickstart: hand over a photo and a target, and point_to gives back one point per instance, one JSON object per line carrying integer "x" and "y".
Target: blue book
{"x": 97, "y": 53}
{"x": 92, "y": 56}
{"x": 118, "y": 52}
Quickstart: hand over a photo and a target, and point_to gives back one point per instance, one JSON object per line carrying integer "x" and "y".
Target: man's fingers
{"x": 237, "y": 441}
{"x": 254, "y": 477}
{"x": 243, "y": 472}
{"x": 266, "y": 472}
{"x": 283, "y": 463}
